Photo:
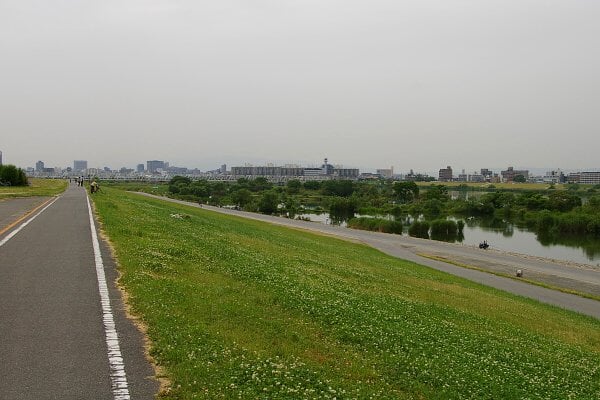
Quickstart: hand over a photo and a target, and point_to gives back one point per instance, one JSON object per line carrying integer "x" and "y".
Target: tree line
{"x": 424, "y": 209}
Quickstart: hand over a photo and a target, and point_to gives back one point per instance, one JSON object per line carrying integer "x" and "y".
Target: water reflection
{"x": 492, "y": 224}
{"x": 589, "y": 244}
{"x": 506, "y": 236}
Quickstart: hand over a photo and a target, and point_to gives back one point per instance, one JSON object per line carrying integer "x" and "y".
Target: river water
{"x": 508, "y": 237}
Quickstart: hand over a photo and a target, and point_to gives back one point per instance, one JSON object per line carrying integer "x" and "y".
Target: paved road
{"x": 55, "y": 331}
{"x": 11, "y": 210}
{"x": 409, "y": 248}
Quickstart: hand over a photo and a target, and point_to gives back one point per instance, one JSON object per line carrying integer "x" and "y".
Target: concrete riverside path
{"x": 409, "y": 248}
{"x": 63, "y": 326}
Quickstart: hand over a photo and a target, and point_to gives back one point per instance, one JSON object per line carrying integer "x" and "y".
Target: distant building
{"x": 350, "y": 173}
{"x": 554, "y": 177}
{"x": 154, "y": 165}
{"x": 574, "y": 177}
{"x": 224, "y": 168}
{"x": 140, "y": 168}
{"x": 368, "y": 176}
{"x": 487, "y": 174}
{"x": 589, "y": 177}
{"x": 324, "y": 172}
{"x": 268, "y": 171}
{"x": 327, "y": 168}
{"x": 445, "y": 174}
{"x": 0, "y": 158}
{"x": 39, "y": 166}
{"x": 510, "y": 174}
{"x": 79, "y": 165}
{"x": 177, "y": 170}
{"x": 386, "y": 173}
{"x": 475, "y": 177}
{"x": 312, "y": 171}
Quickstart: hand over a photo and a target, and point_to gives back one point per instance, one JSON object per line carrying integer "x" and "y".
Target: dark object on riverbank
{"x": 484, "y": 245}
{"x": 519, "y": 273}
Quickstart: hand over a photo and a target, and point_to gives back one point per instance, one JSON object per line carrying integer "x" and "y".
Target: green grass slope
{"x": 242, "y": 309}
{"x": 36, "y": 187}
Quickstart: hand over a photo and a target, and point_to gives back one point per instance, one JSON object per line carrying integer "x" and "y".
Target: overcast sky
{"x": 415, "y": 84}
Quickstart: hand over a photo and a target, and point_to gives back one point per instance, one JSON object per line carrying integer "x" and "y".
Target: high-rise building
{"x": 445, "y": 174}
{"x": 0, "y": 158}
{"x": 154, "y": 165}
{"x": 140, "y": 168}
{"x": 80, "y": 165}
{"x": 39, "y": 166}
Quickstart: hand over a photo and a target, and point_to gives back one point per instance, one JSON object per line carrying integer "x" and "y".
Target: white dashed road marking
{"x": 118, "y": 378}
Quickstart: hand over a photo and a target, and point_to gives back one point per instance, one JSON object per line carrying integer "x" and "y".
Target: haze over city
{"x": 368, "y": 84}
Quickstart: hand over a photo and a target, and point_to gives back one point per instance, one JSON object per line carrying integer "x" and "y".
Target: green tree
{"x": 341, "y": 208}
{"x": 242, "y": 197}
{"x": 406, "y": 191}
{"x": 259, "y": 184}
{"x": 519, "y": 178}
{"x": 563, "y": 201}
{"x": 291, "y": 206}
{"x": 533, "y": 201}
{"x": 200, "y": 189}
{"x": 312, "y": 185}
{"x": 437, "y": 192}
{"x": 341, "y": 188}
{"x": 268, "y": 202}
{"x": 179, "y": 184}
{"x": 294, "y": 186}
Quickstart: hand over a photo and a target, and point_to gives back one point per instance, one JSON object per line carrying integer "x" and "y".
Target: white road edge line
{"x": 118, "y": 379}
{"x": 24, "y": 224}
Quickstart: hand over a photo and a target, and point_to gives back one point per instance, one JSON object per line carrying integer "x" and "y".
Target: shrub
{"x": 444, "y": 229}
{"x": 419, "y": 229}
{"x": 376, "y": 225}
{"x": 12, "y": 176}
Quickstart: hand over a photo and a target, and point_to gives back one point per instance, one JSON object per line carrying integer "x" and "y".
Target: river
{"x": 511, "y": 238}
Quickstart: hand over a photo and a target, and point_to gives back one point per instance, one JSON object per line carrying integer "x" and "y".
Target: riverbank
{"x": 580, "y": 281}
{"x": 239, "y": 308}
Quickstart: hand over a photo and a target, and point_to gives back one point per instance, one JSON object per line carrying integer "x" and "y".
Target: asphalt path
{"x": 57, "y": 338}
{"x": 409, "y": 248}
{"x": 12, "y": 210}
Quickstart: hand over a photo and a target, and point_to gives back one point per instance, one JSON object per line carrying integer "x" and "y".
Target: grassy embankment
{"x": 243, "y": 309}
{"x": 36, "y": 187}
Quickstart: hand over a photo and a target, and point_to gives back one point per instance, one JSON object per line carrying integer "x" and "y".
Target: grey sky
{"x": 416, "y": 84}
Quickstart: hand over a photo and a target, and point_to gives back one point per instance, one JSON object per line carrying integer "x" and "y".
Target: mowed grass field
{"x": 37, "y": 187}
{"x": 242, "y": 309}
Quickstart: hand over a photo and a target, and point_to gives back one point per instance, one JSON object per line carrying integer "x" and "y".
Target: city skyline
{"x": 152, "y": 166}
{"x": 415, "y": 84}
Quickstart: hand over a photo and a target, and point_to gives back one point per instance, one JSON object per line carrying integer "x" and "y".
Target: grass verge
{"x": 242, "y": 309}
{"x": 37, "y": 187}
